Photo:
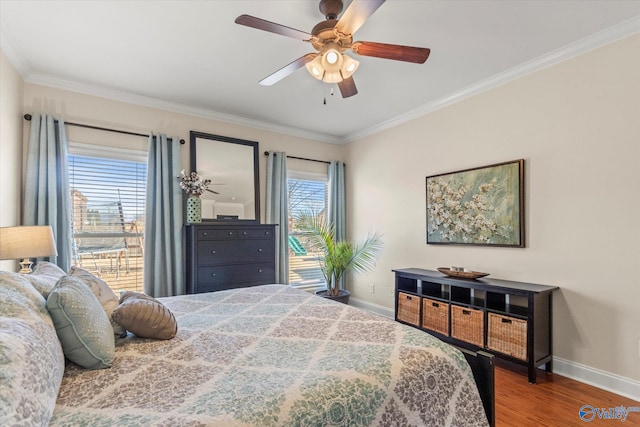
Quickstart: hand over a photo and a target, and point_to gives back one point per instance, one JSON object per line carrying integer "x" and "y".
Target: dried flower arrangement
{"x": 193, "y": 184}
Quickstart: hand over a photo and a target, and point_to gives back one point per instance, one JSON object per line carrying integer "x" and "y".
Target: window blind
{"x": 108, "y": 192}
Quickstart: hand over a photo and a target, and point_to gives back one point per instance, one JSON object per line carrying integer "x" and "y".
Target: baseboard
{"x": 598, "y": 378}
{"x": 605, "y": 380}
{"x": 374, "y": 308}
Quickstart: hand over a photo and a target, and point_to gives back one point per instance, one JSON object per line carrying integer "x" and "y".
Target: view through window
{"x": 307, "y": 193}
{"x": 108, "y": 208}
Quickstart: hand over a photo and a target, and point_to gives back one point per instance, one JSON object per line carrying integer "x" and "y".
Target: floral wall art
{"x": 479, "y": 206}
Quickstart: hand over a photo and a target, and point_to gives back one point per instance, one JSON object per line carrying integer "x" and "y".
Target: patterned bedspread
{"x": 275, "y": 356}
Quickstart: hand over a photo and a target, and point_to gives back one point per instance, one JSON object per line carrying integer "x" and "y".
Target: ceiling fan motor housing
{"x": 324, "y": 33}
{"x": 331, "y": 8}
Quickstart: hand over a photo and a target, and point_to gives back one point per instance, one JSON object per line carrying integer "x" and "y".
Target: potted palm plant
{"x": 339, "y": 256}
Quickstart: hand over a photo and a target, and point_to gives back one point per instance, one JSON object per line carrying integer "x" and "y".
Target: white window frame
{"x": 308, "y": 176}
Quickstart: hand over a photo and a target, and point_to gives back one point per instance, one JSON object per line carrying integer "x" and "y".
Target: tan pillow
{"x": 108, "y": 299}
{"x": 44, "y": 277}
{"x": 145, "y": 316}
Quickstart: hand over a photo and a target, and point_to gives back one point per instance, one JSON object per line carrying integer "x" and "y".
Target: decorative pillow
{"x": 145, "y": 316}
{"x": 108, "y": 299}
{"x": 83, "y": 327}
{"x": 45, "y": 277}
{"x": 31, "y": 359}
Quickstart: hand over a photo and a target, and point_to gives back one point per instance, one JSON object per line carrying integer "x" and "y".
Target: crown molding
{"x": 594, "y": 41}
{"x": 597, "y": 40}
{"x": 131, "y": 98}
{"x": 8, "y": 47}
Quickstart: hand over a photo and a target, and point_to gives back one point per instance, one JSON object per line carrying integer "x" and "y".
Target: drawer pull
{"x": 503, "y": 320}
{"x": 244, "y": 233}
{"x": 259, "y": 270}
{"x": 266, "y": 233}
{"x": 213, "y": 274}
{"x": 231, "y": 233}
{"x": 435, "y": 304}
{"x": 213, "y": 252}
{"x": 409, "y": 297}
{"x": 204, "y": 234}
{"x": 259, "y": 249}
{"x": 466, "y": 312}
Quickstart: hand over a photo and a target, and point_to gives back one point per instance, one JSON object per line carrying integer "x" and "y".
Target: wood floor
{"x": 553, "y": 401}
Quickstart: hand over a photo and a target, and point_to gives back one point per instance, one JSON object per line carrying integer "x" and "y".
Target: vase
{"x": 194, "y": 209}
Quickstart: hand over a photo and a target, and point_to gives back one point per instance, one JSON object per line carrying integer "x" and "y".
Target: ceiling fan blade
{"x": 348, "y": 87}
{"x": 272, "y": 27}
{"x": 356, "y": 15}
{"x": 211, "y": 191}
{"x": 287, "y": 69}
{"x": 396, "y": 52}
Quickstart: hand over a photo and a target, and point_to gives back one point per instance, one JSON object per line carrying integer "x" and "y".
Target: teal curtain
{"x": 277, "y": 211}
{"x": 163, "y": 265}
{"x": 336, "y": 209}
{"x": 47, "y": 200}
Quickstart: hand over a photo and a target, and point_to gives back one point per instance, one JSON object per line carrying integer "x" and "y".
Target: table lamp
{"x": 26, "y": 241}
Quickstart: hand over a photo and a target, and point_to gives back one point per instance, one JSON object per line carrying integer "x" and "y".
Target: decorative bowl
{"x": 462, "y": 274}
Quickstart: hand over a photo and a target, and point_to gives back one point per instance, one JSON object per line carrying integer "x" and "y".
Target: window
{"x": 108, "y": 187}
{"x": 307, "y": 192}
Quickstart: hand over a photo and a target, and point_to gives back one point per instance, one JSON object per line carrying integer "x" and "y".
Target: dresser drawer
{"x": 233, "y": 251}
{"x": 263, "y": 273}
{"x": 217, "y": 234}
{"x": 256, "y": 233}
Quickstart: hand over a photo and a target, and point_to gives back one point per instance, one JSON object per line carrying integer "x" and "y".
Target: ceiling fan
{"x": 331, "y": 38}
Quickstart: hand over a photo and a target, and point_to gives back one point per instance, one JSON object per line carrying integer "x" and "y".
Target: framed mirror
{"x": 232, "y": 166}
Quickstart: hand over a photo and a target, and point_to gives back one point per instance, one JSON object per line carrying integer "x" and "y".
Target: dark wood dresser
{"x": 226, "y": 256}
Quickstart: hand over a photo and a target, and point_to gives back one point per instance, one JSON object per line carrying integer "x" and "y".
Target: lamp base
{"x": 25, "y": 265}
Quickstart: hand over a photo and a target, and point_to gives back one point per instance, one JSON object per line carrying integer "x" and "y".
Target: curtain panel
{"x": 277, "y": 211}
{"x": 336, "y": 211}
{"x": 163, "y": 264}
{"x": 47, "y": 200}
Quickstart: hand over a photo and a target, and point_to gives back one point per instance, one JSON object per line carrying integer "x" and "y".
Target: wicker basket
{"x": 409, "y": 308}
{"x": 435, "y": 316}
{"x": 507, "y": 335}
{"x": 467, "y": 325}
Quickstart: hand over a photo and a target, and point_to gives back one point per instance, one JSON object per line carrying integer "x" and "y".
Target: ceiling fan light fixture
{"x": 332, "y": 77}
{"x": 315, "y": 68}
{"x": 331, "y": 59}
{"x": 349, "y": 66}
{"x": 332, "y": 56}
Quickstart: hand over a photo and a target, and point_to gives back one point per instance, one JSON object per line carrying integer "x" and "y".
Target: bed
{"x": 265, "y": 356}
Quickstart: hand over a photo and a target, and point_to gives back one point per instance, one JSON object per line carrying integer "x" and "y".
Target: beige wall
{"x": 577, "y": 125}
{"x": 11, "y": 85}
{"x": 87, "y": 109}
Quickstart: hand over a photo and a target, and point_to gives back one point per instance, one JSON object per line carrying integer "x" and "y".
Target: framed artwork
{"x": 482, "y": 206}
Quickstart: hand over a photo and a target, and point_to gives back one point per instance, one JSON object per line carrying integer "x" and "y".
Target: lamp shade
{"x": 27, "y": 242}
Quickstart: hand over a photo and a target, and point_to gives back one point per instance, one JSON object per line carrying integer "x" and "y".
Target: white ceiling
{"x": 190, "y": 56}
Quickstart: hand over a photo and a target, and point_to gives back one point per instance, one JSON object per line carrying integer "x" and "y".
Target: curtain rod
{"x": 266, "y": 153}
{"x": 28, "y": 118}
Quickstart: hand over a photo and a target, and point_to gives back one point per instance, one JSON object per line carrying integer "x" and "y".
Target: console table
{"x": 512, "y": 320}
{"x": 227, "y": 256}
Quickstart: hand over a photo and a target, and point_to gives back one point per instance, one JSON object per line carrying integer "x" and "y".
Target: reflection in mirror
{"x": 232, "y": 166}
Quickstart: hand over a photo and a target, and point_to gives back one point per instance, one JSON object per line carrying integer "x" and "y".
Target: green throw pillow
{"x": 108, "y": 299}
{"x": 82, "y": 325}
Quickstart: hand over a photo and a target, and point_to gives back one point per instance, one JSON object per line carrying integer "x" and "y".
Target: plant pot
{"x": 343, "y": 295}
